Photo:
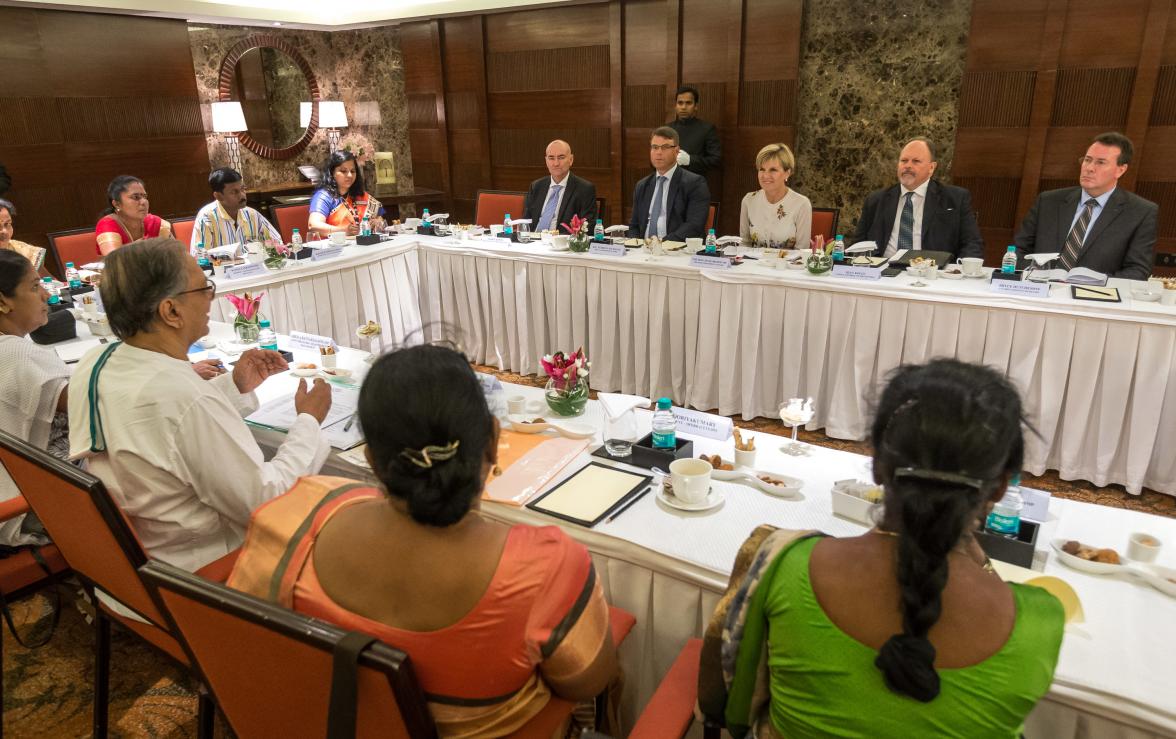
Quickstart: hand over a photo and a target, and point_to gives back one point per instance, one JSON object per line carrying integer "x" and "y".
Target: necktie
{"x": 549, "y": 208}
{"x": 1077, "y": 236}
{"x": 906, "y": 224}
{"x": 655, "y": 212}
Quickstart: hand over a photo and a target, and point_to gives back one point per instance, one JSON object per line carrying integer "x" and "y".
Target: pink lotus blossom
{"x": 246, "y": 305}
{"x": 578, "y": 224}
{"x": 565, "y": 370}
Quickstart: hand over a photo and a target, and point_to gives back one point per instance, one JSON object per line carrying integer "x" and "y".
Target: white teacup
{"x": 971, "y": 265}
{"x": 560, "y": 243}
{"x": 745, "y": 458}
{"x": 1143, "y": 547}
{"x": 338, "y": 238}
{"x": 251, "y": 258}
{"x": 694, "y": 244}
{"x": 691, "y": 479}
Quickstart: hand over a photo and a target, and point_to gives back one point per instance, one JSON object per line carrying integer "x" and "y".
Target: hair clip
{"x": 425, "y": 457}
{"x": 939, "y": 476}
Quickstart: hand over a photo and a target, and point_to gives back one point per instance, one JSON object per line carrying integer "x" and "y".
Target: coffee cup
{"x": 338, "y": 238}
{"x": 690, "y": 479}
{"x": 560, "y": 243}
{"x": 694, "y": 244}
{"x": 972, "y": 266}
{"x": 1143, "y": 547}
{"x": 1168, "y": 296}
{"x": 251, "y": 258}
{"x": 516, "y": 405}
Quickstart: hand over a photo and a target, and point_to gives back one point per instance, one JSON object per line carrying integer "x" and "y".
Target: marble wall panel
{"x": 872, "y": 75}
{"x": 363, "y": 68}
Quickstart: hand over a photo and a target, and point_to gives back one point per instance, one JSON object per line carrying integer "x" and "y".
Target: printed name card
{"x": 704, "y": 262}
{"x": 606, "y": 250}
{"x": 301, "y": 340}
{"x": 706, "y": 425}
{"x": 490, "y": 383}
{"x": 241, "y": 271}
{"x": 497, "y": 241}
{"x": 1036, "y": 505}
{"x": 850, "y": 272}
{"x": 326, "y": 252}
{"x": 1021, "y": 289}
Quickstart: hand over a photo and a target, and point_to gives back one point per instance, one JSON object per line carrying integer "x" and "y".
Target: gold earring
{"x": 496, "y": 471}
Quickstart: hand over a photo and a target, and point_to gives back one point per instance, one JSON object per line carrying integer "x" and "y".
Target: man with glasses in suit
{"x": 672, "y": 203}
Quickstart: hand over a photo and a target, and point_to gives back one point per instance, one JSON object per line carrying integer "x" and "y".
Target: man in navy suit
{"x": 1096, "y": 225}
{"x": 918, "y": 212}
{"x": 554, "y": 200}
{"x": 672, "y": 203}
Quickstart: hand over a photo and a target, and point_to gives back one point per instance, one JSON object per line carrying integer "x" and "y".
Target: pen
{"x": 350, "y": 421}
{"x": 629, "y": 505}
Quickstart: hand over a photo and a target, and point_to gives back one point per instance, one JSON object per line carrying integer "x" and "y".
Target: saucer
{"x": 713, "y": 499}
{"x": 304, "y": 372}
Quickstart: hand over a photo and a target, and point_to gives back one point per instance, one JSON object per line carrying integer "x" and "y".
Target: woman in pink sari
{"x": 127, "y": 218}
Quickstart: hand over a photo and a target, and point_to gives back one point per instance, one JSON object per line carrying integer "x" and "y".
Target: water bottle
{"x": 425, "y": 214}
{"x": 266, "y": 338}
{"x": 1008, "y": 263}
{"x": 665, "y": 428}
{"x": 296, "y": 241}
{"x": 1005, "y": 518}
{"x": 72, "y": 277}
{"x": 507, "y": 229}
{"x": 839, "y": 249}
{"x": 51, "y": 287}
{"x": 710, "y": 242}
{"x": 598, "y": 231}
{"x": 365, "y": 225}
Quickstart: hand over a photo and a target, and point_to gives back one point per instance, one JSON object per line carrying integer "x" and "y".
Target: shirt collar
{"x": 1102, "y": 199}
{"x": 669, "y": 175}
{"x": 224, "y": 215}
{"x": 921, "y": 190}
{"x": 561, "y": 184}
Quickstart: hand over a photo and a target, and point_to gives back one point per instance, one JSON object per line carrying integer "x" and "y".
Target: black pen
{"x": 350, "y": 421}
{"x": 629, "y": 505}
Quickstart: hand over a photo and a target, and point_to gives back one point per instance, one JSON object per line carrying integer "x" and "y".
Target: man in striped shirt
{"x": 227, "y": 219}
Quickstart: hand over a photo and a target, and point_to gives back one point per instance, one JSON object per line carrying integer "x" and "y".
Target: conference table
{"x": 1098, "y": 379}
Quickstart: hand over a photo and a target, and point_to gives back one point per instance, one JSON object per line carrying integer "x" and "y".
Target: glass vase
{"x": 567, "y": 400}
{"x": 579, "y": 243}
{"x": 247, "y": 330}
{"x": 819, "y": 263}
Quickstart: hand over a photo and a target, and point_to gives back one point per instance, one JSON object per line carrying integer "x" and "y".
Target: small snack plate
{"x": 789, "y": 489}
{"x": 310, "y": 371}
{"x": 1086, "y": 565}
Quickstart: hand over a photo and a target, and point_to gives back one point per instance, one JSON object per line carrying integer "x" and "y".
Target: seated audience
{"x": 903, "y": 631}
{"x": 1096, "y": 224}
{"x": 496, "y": 618}
{"x": 127, "y": 218}
{"x": 555, "y": 199}
{"x": 34, "y": 254}
{"x": 775, "y": 216}
{"x": 33, "y": 394}
{"x": 672, "y": 203}
{"x": 919, "y": 212}
{"x": 227, "y": 219}
{"x": 341, "y": 202}
{"x": 173, "y": 449}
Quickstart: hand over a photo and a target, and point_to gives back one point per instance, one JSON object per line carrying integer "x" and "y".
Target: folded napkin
{"x": 520, "y": 221}
{"x": 617, "y": 229}
{"x": 729, "y": 240}
{"x": 94, "y": 265}
{"x": 435, "y": 216}
{"x": 1042, "y": 259}
{"x": 861, "y": 246}
{"x": 226, "y": 251}
{"x": 617, "y": 404}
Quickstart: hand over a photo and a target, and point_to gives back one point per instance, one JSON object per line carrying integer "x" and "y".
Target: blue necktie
{"x": 549, "y": 208}
{"x": 655, "y": 213}
{"x": 906, "y": 224}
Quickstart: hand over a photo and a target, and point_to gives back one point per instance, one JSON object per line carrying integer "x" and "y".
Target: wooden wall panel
{"x": 996, "y": 99}
{"x": 569, "y": 68}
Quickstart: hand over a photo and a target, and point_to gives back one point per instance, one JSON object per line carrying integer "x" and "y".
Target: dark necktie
{"x": 906, "y": 224}
{"x": 1077, "y": 236}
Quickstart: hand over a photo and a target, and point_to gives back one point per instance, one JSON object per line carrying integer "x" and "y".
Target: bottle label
{"x": 1003, "y": 524}
{"x": 664, "y": 440}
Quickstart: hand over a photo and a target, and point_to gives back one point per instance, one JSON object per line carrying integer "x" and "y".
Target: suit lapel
{"x": 562, "y": 215}
{"x": 930, "y": 210}
{"x": 1114, "y": 206}
{"x": 889, "y": 208}
{"x": 1068, "y": 207}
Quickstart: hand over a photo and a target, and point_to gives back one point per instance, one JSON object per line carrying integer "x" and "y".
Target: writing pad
{"x": 590, "y": 494}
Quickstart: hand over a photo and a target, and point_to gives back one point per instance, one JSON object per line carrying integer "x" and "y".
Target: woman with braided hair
{"x": 905, "y": 631}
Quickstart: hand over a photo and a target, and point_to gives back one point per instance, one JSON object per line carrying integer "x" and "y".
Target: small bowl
{"x": 341, "y": 373}
{"x": 945, "y": 274}
{"x": 1144, "y": 296}
{"x": 1143, "y": 547}
{"x": 304, "y": 371}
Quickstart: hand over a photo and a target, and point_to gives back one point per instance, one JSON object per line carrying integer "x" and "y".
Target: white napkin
{"x": 617, "y": 229}
{"x": 519, "y": 221}
{"x": 723, "y": 240}
{"x": 94, "y": 266}
{"x": 1043, "y": 259}
{"x": 861, "y": 246}
{"x": 617, "y": 404}
{"x": 434, "y": 216}
{"x": 228, "y": 250}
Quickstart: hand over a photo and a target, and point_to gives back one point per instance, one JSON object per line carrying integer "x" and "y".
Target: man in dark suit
{"x": 554, "y": 200}
{"x": 5, "y": 180}
{"x": 672, "y": 203}
{"x": 1095, "y": 225}
{"x": 920, "y": 213}
{"x": 700, "y": 148}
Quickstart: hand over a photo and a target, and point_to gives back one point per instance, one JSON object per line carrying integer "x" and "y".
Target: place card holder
{"x": 425, "y": 229}
{"x": 1017, "y": 276}
{"x": 81, "y": 290}
{"x": 644, "y": 455}
{"x": 1017, "y": 551}
{"x": 305, "y": 252}
{"x": 369, "y": 240}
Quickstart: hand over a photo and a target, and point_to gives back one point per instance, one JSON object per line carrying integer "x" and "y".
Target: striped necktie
{"x": 1077, "y": 236}
{"x": 549, "y": 208}
{"x": 906, "y": 224}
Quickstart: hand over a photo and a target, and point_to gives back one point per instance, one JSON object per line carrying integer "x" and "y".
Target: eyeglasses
{"x": 662, "y": 147}
{"x": 209, "y": 287}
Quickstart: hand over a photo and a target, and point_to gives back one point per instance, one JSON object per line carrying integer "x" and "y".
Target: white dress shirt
{"x": 917, "y": 227}
{"x": 179, "y": 459}
{"x": 1094, "y": 214}
{"x": 660, "y": 227}
{"x": 563, "y": 190}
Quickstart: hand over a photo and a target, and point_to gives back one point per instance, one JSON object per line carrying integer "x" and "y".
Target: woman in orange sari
{"x": 341, "y": 202}
{"x": 496, "y": 618}
{"x": 127, "y": 219}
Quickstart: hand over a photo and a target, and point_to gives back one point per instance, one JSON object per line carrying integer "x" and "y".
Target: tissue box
{"x": 1017, "y": 551}
{"x": 368, "y": 240}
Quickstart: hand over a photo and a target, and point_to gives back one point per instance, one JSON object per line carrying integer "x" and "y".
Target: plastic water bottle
{"x": 425, "y": 214}
{"x": 51, "y": 287}
{"x": 1005, "y": 518}
{"x": 598, "y": 231}
{"x": 839, "y": 249}
{"x": 266, "y": 338}
{"x": 72, "y": 276}
{"x": 296, "y": 241}
{"x": 1008, "y": 263}
{"x": 507, "y": 229}
{"x": 710, "y": 240}
{"x": 665, "y": 428}
{"x": 365, "y": 225}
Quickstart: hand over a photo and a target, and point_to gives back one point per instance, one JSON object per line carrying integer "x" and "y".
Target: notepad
{"x": 1098, "y": 294}
{"x": 589, "y": 495}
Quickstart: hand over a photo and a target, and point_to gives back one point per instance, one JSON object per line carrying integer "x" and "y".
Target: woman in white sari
{"x": 32, "y": 391}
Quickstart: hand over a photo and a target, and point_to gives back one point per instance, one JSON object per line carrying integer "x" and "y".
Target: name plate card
{"x": 1036, "y": 505}
{"x": 301, "y": 340}
{"x": 497, "y": 241}
{"x": 327, "y": 252}
{"x": 850, "y": 272}
{"x": 490, "y": 383}
{"x": 704, "y": 262}
{"x": 241, "y": 271}
{"x": 706, "y": 425}
{"x": 607, "y": 250}
{"x": 1020, "y": 289}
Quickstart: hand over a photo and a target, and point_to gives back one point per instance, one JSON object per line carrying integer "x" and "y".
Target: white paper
{"x": 1036, "y": 505}
{"x": 898, "y": 255}
{"x": 75, "y": 350}
{"x": 616, "y": 405}
{"x": 708, "y": 425}
{"x": 861, "y": 247}
{"x": 279, "y": 413}
{"x": 302, "y": 340}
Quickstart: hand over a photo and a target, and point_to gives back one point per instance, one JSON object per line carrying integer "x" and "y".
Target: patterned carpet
{"x": 48, "y": 691}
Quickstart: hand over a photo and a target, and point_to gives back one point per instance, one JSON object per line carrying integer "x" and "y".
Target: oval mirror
{"x": 271, "y": 80}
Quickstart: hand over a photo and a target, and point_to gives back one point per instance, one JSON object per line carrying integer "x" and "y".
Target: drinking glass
{"x": 620, "y": 433}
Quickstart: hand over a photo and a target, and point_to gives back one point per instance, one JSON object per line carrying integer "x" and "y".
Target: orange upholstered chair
{"x": 493, "y": 205}
{"x": 711, "y": 216}
{"x": 100, "y": 546}
{"x": 182, "y": 229}
{"x": 825, "y": 222}
{"x": 290, "y": 217}
{"x": 76, "y": 245}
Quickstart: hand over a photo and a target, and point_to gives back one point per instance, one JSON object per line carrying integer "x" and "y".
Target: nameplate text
{"x": 1021, "y": 289}
{"x": 704, "y": 262}
{"x": 302, "y": 340}
{"x": 1036, "y": 505}
{"x": 241, "y": 271}
{"x": 850, "y": 272}
{"x": 606, "y": 250}
{"x": 326, "y": 252}
{"x": 706, "y": 425}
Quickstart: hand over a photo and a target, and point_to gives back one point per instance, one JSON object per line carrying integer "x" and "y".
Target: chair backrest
{"x": 824, "y": 222}
{"x": 85, "y": 524}
{"x": 269, "y": 668}
{"x": 493, "y": 205}
{"x": 711, "y": 216}
{"x": 182, "y": 229}
{"x": 290, "y": 217}
{"x": 77, "y": 245}
{"x": 602, "y": 211}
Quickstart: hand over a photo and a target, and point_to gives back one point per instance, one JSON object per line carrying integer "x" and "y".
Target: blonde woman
{"x": 775, "y": 216}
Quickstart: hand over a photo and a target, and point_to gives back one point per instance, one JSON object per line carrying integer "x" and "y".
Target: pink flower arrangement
{"x": 566, "y": 370}
{"x": 247, "y": 307}
{"x": 579, "y": 226}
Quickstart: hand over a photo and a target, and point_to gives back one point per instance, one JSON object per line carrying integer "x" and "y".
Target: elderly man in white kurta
{"x": 173, "y": 449}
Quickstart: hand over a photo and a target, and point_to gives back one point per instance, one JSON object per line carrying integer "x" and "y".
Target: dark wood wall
{"x": 86, "y": 97}
{"x": 1043, "y": 77}
{"x": 486, "y": 93}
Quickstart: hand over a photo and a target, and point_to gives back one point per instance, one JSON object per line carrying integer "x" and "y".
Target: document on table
{"x": 75, "y": 350}
{"x": 279, "y": 414}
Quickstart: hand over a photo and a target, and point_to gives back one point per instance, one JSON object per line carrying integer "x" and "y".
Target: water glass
{"x": 620, "y": 433}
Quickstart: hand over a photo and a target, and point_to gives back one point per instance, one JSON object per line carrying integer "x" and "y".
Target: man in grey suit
{"x": 1096, "y": 225}
{"x": 673, "y": 202}
{"x": 555, "y": 199}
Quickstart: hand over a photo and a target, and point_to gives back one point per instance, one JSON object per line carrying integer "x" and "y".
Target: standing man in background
{"x": 701, "y": 150}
